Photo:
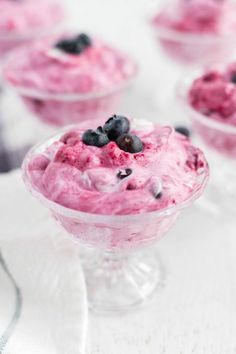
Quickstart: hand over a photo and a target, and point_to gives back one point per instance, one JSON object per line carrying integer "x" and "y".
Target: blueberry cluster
{"x": 115, "y": 129}
{"x": 75, "y": 45}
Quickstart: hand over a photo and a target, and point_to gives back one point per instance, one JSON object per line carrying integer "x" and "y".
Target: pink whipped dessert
{"x": 102, "y": 184}
{"x": 24, "y": 20}
{"x": 196, "y": 30}
{"x": 70, "y": 78}
{"x": 213, "y": 96}
{"x": 143, "y": 170}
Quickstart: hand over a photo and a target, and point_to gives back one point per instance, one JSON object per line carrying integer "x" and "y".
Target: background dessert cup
{"x": 189, "y": 49}
{"x": 188, "y": 41}
{"x": 70, "y": 78}
{"x": 61, "y": 109}
{"x": 219, "y": 142}
{"x": 21, "y": 24}
{"x": 120, "y": 262}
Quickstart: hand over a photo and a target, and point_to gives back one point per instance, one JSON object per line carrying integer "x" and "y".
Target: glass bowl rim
{"x": 181, "y": 91}
{"x": 189, "y": 37}
{"x": 102, "y": 218}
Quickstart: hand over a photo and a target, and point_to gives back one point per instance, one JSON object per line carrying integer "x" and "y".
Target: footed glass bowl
{"x": 120, "y": 263}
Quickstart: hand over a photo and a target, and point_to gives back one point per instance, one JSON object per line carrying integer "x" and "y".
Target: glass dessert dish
{"x": 121, "y": 267}
{"x": 193, "y": 33}
{"x": 70, "y": 79}
{"x": 216, "y": 132}
{"x": 61, "y": 109}
{"x": 189, "y": 49}
{"x": 205, "y": 36}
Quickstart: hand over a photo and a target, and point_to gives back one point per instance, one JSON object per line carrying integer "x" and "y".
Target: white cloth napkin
{"x": 43, "y": 303}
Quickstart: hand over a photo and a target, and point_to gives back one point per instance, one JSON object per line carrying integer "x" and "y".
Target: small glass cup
{"x": 121, "y": 267}
{"x": 60, "y": 109}
{"x": 185, "y": 51}
{"x": 193, "y": 49}
{"x": 219, "y": 142}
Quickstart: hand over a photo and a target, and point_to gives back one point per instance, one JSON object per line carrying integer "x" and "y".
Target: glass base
{"x": 118, "y": 282}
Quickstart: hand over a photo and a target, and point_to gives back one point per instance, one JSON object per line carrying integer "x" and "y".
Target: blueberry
{"x": 233, "y": 78}
{"x": 158, "y": 195}
{"x": 116, "y": 126}
{"x": 129, "y": 143}
{"x": 183, "y": 130}
{"x": 95, "y": 137}
{"x": 124, "y": 173}
{"x": 69, "y": 46}
{"x": 84, "y": 40}
{"x": 74, "y": 45}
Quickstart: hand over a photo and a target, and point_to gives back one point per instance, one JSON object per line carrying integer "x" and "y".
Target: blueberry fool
{"x": 213, "y": 17}
{"x": 122, "y": 167}
{"x": 213, "y": 94}
{"x": 70, "y": 64}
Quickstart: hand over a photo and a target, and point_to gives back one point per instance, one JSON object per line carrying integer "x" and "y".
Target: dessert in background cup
{"x": 208, "y": 99}
{"x": 209, "y": 96}
{"x": 23, "y": 21}
{"x": 70, "y": 78}
{"x": 116, "y": 188}
{"x": 196, "y": 31}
